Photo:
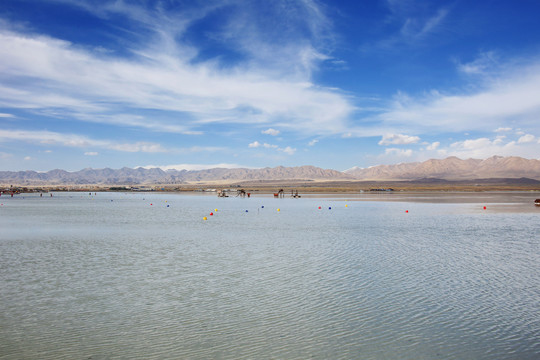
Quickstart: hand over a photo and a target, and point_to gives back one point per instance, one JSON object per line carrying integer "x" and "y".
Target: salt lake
{"x": 355, "y": 276}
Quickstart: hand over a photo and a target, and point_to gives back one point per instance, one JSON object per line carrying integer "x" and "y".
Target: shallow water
{"x": 143, "y": 276}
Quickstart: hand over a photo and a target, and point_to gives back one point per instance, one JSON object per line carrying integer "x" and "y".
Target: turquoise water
{"x": 143, "y": 276}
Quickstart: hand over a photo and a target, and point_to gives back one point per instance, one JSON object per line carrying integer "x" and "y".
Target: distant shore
{"x": 288, "y": 186}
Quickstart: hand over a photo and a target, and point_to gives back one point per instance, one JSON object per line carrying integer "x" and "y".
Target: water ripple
{"x": 121, "y": 279}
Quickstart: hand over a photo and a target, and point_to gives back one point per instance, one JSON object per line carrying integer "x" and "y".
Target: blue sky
{"x": 246, "y": 83}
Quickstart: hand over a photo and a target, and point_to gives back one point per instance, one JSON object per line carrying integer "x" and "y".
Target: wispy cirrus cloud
{"x": 484, "y": 63}
{"x": 409, "y": 23}
{"x": 42, "y": 73}
{"x": 74, "y": 140}
{"x": 499, "y": 100}
{"x": 46, "y": 138}
{"x": 414, "y": 29}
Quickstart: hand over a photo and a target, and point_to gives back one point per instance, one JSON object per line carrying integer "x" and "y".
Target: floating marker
{"x": 211, "y": 214}
{"x": 278, "y": 210}
{"x": 406, "y": 211}
{"x": 246, "y": 211}
{"x": 205, "y": 218}
{"x": 484, "y": 208}
{"x": 167, "y": 205}
{"x": 262, "y": 207}
{"x": 346, "y": 205}
{"x": 329, "y": 208}
{"x": 151, "y": 204}
{"x": 215, "y": 209}
{"x": 319, "y": 208}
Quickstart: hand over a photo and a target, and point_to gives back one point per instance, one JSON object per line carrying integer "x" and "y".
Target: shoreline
{"x": 289, "y": 186}
{"x": 497, "y": 201}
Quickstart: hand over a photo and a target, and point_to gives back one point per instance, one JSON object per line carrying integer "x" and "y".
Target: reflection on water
{"x": 143, "y": 276}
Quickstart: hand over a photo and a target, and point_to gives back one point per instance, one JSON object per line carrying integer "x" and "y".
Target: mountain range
{"x": 451, "y": 168}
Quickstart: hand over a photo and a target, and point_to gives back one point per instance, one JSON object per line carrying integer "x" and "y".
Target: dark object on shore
{"x": 537, "y": 202}
{"x": 241, "y": 192}
{"x": 222, "y": 193}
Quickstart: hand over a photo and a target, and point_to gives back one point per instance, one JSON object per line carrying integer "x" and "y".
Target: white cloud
{"x": 271, "y": 131}
{"x": 503, "y": 129}
{"x": 433, "y": 146}
{"x": 91, "y": 153}
{"x": 398, "y": 139}
{"x": 483, "y": 148}
{"x": 27, "y": 158}
{"x": 3, "y": 115}
{"x": 141, "y": 146}
{"x": 288, "y": 150}
{"x": 514, "y": 94}
{"x": 398, "y": 152}
{"x": 313, "y": 142}
{"x": 499, "y": 139}
{"x": 478, "y": 148}
{"x": 526, "y": 139}
{"x": 257, "y": 144}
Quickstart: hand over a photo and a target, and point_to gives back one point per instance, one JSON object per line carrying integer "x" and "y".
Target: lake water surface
{"x": 389, "y": 276}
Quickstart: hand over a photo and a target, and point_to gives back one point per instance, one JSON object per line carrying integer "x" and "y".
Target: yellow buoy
{"x": 278, "y": 210}
{"x": 215, "y": 209}
{"x": 346, "y": 205}
{"x": 205, "y": 218}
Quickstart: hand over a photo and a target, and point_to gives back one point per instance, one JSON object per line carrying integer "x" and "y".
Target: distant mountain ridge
{"x": 451, "y": 168}
{"x": 129, "y": 176}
